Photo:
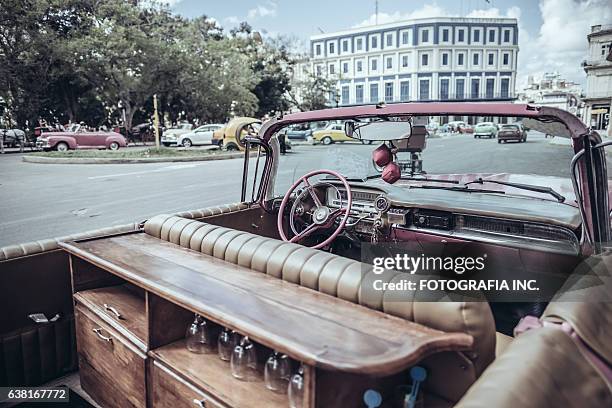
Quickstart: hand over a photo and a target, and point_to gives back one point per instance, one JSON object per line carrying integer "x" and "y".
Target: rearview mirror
{"x": 381, "y": 130}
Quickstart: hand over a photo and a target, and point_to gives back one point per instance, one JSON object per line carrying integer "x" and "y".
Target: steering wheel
{"x": 322, "y": 216}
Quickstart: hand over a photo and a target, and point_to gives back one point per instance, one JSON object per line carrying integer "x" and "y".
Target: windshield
{"x": 452, "y": 149}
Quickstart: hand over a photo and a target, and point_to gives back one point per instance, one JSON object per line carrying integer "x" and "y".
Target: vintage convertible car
{"x": 282, "y": 284}
{"x": 77, "y": 137}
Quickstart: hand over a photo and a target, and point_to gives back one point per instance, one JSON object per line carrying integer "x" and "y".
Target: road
{"x": 49, "y": 200}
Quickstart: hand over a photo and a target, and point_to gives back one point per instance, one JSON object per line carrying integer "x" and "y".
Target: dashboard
{"x": 447, "y": 219}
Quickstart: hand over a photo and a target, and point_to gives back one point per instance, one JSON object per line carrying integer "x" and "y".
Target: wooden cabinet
{"x": 136, "y": 295}
{"x": 112, "y": 368}
{"x": 168, "y": 389}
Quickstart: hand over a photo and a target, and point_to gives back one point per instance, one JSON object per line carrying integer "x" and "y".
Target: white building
{"x": 598, "y": 68}
{"x": 554, "y": 91}
{"x": 433, "y": 59}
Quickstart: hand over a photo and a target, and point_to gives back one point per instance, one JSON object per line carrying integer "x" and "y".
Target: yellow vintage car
{"x": 227, "y": 137}
{"x": 332, "y": 133}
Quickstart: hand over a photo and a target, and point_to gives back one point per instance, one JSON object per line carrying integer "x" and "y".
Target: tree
{"x": 315, "y": 92}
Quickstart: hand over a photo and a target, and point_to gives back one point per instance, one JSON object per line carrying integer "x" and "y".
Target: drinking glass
{"x": 296, "y": 389}
{"x": 277, "y": 372}
{"x": 199, "y": 336}
{"x": 244, "y": 360}
{"x": 226, "y": 343}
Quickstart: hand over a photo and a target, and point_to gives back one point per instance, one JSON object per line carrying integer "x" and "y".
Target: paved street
{"x": 43, "y": 200}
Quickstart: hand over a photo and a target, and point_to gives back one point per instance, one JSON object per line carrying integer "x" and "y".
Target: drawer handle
{"x": 103, "y": 337}
{"x": 113, "y": 311}
{"x": 199, "y": 403}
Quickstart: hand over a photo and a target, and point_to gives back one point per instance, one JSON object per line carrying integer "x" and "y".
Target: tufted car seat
{"x": 343, "y": 278}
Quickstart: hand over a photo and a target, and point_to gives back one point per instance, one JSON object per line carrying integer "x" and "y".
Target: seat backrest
{"x": 540, "y": 368}
{"x": 344, "y": 278}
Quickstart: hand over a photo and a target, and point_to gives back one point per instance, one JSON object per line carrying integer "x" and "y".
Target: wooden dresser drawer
{"x": 113, "y": 369}
{"x": 169, "y": 390}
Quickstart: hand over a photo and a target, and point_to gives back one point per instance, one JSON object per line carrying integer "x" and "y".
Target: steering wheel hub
{"x": 321, "y": 215}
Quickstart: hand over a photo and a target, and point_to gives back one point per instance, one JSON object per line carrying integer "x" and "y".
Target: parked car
{"x": 332, "y": 133}
{"x": 78, "y": 138}
{"x": 485, "y": 129}
{"x": 12, "y": 137}
{"x": 202, "y": 135}
{"x": 513, "y": 131}
{"x": 171, "y": 135}
{"x": 231, "y": 135}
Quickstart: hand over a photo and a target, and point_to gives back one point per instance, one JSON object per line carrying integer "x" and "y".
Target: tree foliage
{"x": 96, "y": 60}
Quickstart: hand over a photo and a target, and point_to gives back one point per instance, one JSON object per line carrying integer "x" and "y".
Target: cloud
{"x": 428, "y": 10}
{"x": 267, "y": 10}
{"x": 231, "y": 20}
{"x": 561, "y": 43}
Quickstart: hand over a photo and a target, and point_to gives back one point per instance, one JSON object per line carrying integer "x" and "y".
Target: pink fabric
{"x": 391, "y": 173}
{"x": 310, "y": 229}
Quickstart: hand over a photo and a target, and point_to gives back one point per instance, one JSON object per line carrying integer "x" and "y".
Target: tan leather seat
{"x": 349, "y": 280}
{"x": 540, "y": 368}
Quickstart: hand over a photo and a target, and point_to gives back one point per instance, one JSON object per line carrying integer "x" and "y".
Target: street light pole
{"x": 156, "y": 121}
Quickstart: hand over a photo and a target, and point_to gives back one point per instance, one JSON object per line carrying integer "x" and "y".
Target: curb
{"x": 127, "y": 160}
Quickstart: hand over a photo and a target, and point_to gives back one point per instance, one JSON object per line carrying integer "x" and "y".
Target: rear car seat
{"x": 343, "y": 277}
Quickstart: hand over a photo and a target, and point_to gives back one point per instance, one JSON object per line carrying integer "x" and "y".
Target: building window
{"x": 491, "y": 58}
{"x": 461, "y": 36}
{"x": 444, "y": 91}
{"x": 345, "y": 46}
{"x": 490, "y": 90}
{"x": 460, "y": 88}
{"x": 506, "y": 58}
{"x": 345, "y": 67}
{"x": 374, "y": 93}
{"x": 374, "y": 65}
{"x": 475, "y": 91}
{"x": 332, "y": 69}
{"x": 319, "y": 70}
{"x": 404, "y": 91}
{"x": 359, "y": 94}
{"x": 505, "y": 88}
{"x": 389, "y": 38}
{"x": 331, "y": 48}
{"x": 445, "y": 35}
{"x": 424, "y": 89}
{"x": 345, "y": 95}
{"x": 476, "y": 36}
{"x": 359, "y": 44}
{"x": 507, "y": 36}
{"x": 359, "y": 66}
{"x": 475, "y": 59}
{"x": 389, "y": 62}
{"x": 460, "y": 59}
{"x": 445, "y": 59}
{"x": 492, "y": 36}
{"x": 405, "y": 38}
{"x": 389, "y": 92}
{"x": 318, "y": 49}
{"x": 424, "y": 36}
{"x": 404, "y": 61}
{"x": 424, "y": 60}
{"x": 374, "y": 42}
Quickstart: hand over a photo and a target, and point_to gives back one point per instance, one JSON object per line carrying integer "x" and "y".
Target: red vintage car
{"x": 79, "y": 138}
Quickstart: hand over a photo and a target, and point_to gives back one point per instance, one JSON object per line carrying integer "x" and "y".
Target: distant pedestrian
{"x": 283, "y": 145}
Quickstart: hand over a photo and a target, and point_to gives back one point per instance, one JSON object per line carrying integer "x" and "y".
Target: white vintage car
{"x": 171, "y": 135}
{"x": 200, "y": 136}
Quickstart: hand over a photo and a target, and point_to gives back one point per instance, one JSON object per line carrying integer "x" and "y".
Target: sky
{"x": 552, "y": 33}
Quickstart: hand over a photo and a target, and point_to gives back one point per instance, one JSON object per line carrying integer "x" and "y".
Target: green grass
{"x": 129, "y": 153}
